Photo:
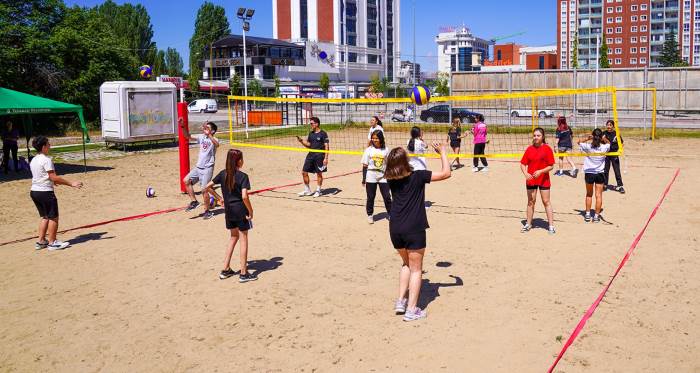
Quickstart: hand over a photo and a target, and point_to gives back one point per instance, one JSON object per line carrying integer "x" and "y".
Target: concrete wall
{"x": 678, "y": 89}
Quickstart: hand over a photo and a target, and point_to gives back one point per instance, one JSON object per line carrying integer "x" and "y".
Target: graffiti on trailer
{"x": 150, "y": 117}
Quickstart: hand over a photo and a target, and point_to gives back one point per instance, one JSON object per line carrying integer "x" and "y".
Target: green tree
{"x": 25, "y": 27}
{"x": 324, "y": 83}
{"x": 603, "y": 61}
{"x": 378, "y": 85}
{"x": 442, "y": 86}
{"x": 173, "y": 62}
{"x": 670, "y": 55}
{"x": 235, "y": 84}
{"x": 574, "y": 52}
{"x": 254, "y": 88}
{"x": 87, "y": 53}
{"x": 159, "y": 65}
{"x": 132, "y": 24}
{"x": 277, "y": 86}
{"x": 209, "y": 26}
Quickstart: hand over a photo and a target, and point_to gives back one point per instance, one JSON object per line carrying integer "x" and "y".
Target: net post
{"x": 183, "y": 144}
{"x": 230, "y": 120}
{"x": 653, "y": 114}
{"x": 615, "y": 118}
{"x": 533, "y": 112}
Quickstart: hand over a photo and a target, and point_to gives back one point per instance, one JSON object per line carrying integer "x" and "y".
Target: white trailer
{"x": 135, "y": 111}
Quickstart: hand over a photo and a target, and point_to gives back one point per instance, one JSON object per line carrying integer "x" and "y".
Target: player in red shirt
{"x": 536, "y": 163}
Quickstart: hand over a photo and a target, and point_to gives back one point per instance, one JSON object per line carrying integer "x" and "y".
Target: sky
{"x": 173, "y": 22}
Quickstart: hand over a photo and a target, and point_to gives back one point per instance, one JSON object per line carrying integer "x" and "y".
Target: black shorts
{"x": 235, "y": 217}
{"x": 456, "y": 144}
{"x": 46, "y": 203}
{"x": 535, "y": 187}
{"x": 314, "y": 163}
{"x": 408, "y": 241}
{"x": 595, "y": 178}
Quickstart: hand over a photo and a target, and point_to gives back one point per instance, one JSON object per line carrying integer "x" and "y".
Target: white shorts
{"x": 201, "y": 175}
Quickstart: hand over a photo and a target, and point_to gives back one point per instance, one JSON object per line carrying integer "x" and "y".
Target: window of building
{"x": 618, "y": 40}
{"x": 609, "y": 40}
{"x": 609, "y": 20}
{"x": 643, "y": 39}
{"x": 352, "y": 57}
{"x": 642, "y": 60}
{"x": 618, "y": 61}
{"x": 609, "y": 30}
{"x": 634, "y": 18}
{"x": 642, "y": 49}
{"x": 610, "y": 9}
{"x": 618, "y": 30}
{"x": 642, "y": 6}
{"x": 372, "y": 58}
{"x": 304, "y": 18}
{"x": 633, "y": 50}
{"x": 633, "y": 61}
{"x": 618, "y": 19}
{"x": 644, "y": 28}
{"x": 633, "y": 39}
{"x": 634, "y": 8}
{"x": 633, "y": 28}
{"x": 643, "y": 17}
{"x": 618, "y": 9}
{"x": 618, "y": 50}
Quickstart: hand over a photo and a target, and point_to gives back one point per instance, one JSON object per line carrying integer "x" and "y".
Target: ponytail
{"x": 233, "y": 157}
{"x": 415, "y": 133}
{"x": 597, "y": 137}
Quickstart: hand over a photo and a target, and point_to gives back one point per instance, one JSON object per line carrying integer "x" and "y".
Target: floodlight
{"x": 241, "y": 12}
{"x": 249, "y": 13}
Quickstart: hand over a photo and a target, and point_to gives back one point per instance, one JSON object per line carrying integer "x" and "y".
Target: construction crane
{"x": 494, "y": 40}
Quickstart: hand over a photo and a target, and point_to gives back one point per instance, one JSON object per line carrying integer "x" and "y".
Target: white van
{"x": 204, "y": 105}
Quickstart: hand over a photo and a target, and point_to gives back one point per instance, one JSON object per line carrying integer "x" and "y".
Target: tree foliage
{"x": 132, "y": 24}
{"x": 277, "y": 86}
{"x": 210, "y": 25}
{"x": 235, "y": 84}
{"x": 378, "y": 85}
{"x": 442, "y": 84}
{"x": 670, "y": 55}
{"x": 173, "y": 62}
{"x": 603, "y": 60}
{"x": 574, "y": 52}
{"x": 324, "y": 83}
{"x": 254, "y": 88}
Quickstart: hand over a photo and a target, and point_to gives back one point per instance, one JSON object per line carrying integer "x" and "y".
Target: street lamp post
{"x": 245, "y": 15}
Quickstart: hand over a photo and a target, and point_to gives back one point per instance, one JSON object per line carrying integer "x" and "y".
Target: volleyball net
{"x": 274, "y": 122}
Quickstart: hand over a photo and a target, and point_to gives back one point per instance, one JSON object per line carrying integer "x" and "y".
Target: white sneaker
{"x": 370, "y": 219}
{"x": 304, "y": 193}
{"x": 41, "y": 245}
{"x": 415, "y": 314}
{"x": 475, "y": 169}
{"x": 57, "y": 245}
{"x": 525, "y": 228}
{"x": 400, "y": 306}
{"x": 316, "y": 194}
{"x": 485, "y": 169}
{"x": 552, "y": 230}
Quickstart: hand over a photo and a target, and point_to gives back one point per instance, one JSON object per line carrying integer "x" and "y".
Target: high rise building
{"x": 634, "y": 30}
{"x": 459, "y": 50}
{"x": 369, "y": 29}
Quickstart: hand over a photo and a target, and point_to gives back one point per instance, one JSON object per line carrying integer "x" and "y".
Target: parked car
{"x": 402, "y": 115}
{"x": 441, "y": 113}
{"x": 542, "y": 113}
{"x": 204, "y": 105}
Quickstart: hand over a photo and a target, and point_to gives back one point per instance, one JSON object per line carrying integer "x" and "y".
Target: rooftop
{"x": 237, "y": 40}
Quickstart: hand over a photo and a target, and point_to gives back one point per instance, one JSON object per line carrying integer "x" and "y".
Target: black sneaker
{"x": 193, "y": 205}
{"x": 247, "y": 277}
{"x": 621, "y": 190}
{"x": 226, "y": 274}
{"x": 207, "y": 215}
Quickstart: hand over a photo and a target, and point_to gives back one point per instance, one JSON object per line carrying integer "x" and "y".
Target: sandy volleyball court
{"x": 144, "y": 295}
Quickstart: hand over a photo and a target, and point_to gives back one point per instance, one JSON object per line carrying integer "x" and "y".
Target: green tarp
{"x": 25, "y": 105}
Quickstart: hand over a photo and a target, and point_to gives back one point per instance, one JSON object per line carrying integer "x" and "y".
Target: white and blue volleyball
{"x": 150, "y": 192}
{"x": 212, "y": 202}
{"x": 420, "y": 95}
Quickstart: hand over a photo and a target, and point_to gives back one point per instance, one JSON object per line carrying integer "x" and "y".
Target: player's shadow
{"x": 537, "y": 223}
{"x": 381, "y": 215}
{"x": 259, "y": 266}
{"x": 61, "y": 169}
{"x": 429, "y": 291}
{"x": 95, "y": 236}
{"x": 330, "y": 191}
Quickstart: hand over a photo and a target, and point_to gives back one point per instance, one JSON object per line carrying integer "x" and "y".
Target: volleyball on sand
{"x": 150, "y": 192}
{"x": 420, "y": 95}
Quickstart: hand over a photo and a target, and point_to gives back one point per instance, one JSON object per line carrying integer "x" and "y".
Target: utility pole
{"x": 597, "y": 65}
{"x": 414, "y": 42}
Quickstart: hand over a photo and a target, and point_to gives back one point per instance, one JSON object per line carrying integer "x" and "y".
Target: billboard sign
{"x": 151, "y": 113}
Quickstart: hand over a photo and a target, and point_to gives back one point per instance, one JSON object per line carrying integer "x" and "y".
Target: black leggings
{"x": 615, "y": 161}
{"x": 479, "y": 149}
{"x": 372, "y": 192}
{"x": 6, "y": 149}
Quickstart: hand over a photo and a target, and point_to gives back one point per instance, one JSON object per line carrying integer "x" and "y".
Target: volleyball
{"x": 145, "y": 72}
{"x": 420, "y": 95}
{"x": 150, "y": 192}
{"x": 212, "y": 202}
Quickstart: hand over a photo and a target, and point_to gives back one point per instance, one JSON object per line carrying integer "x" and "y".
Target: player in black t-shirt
{"x": 237, "y": 210}
{"x": 408, "y": 223}
{"x": 613, "y": 160}
{"x": 316, "y": 162}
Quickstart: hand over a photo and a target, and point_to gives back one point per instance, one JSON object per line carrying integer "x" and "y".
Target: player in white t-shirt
{"x": 373, "y": 167}
{"x": 44, "y": 179}
{"x": 417, "y": 146}
{"x": 594, "y": 168}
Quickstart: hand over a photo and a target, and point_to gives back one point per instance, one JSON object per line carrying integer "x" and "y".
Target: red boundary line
{"x": 592, "y": 308}
{"x": 141, "y": 216}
